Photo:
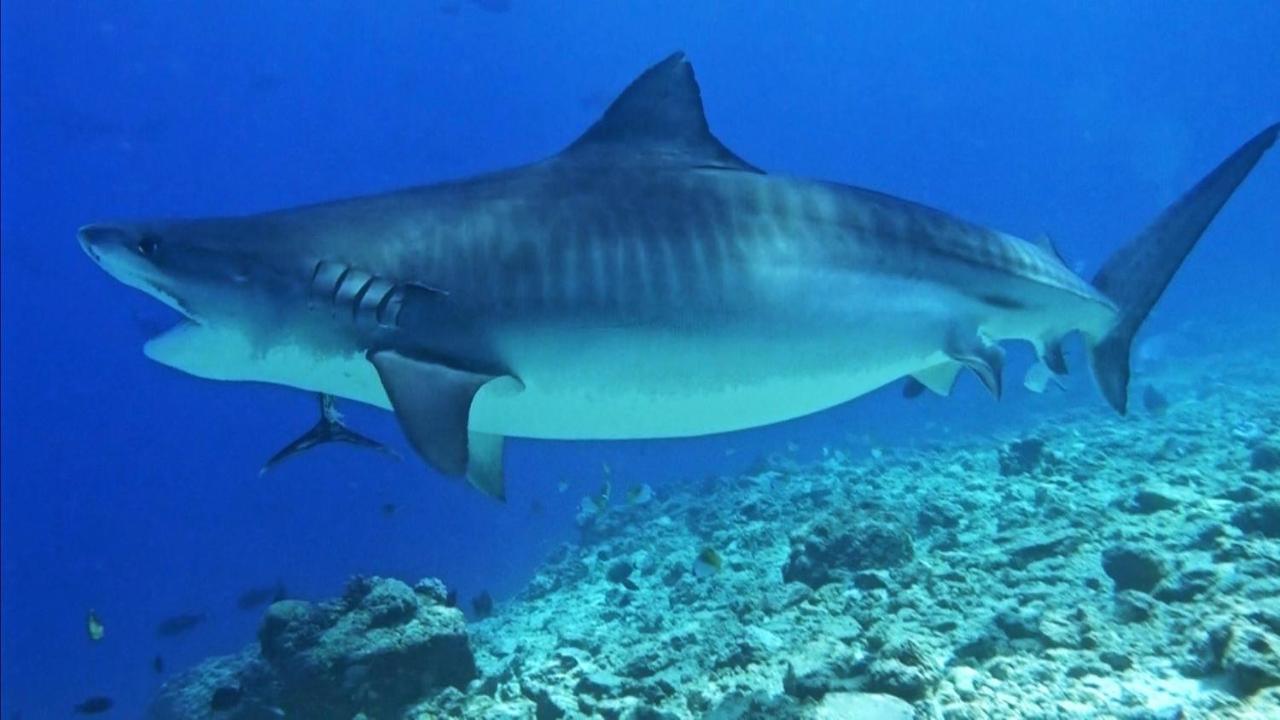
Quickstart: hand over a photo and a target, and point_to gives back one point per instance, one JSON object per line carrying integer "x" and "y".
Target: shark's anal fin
{"x": 939, "y": 379}
{"x": 1053, "y": 357}
{"x": 433, "y": 404}
{"x": 329, "y": 428}
{"x": 1041, "y": 377}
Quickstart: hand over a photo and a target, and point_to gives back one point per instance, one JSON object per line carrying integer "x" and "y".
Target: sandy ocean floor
{"x": 1087, "y": 567}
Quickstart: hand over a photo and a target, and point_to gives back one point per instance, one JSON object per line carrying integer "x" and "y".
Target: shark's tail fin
{"x": 1136, "y": 275}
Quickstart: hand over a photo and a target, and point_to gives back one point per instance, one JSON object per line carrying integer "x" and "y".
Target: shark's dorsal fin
{"x": 657, "y": 119}
{"x": 1045, "y": 243}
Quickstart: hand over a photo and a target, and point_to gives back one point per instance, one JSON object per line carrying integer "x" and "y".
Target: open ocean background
{"x": 133, "y": 490}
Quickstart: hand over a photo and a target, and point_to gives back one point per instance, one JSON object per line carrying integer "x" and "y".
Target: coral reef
{"x": 376, "y": 650}
{"x": 1091, "y": 567}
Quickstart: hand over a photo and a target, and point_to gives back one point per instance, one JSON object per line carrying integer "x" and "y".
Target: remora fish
{"x": 643, "y": 282}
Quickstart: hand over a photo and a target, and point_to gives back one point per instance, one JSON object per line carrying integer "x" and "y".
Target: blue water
{"x": 133, "y": 490}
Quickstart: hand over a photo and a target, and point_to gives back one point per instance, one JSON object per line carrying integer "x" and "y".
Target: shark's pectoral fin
{"x": 939, "y": 379}
{"x": 433, "y": 404}
{"x": 984, "y": 358}
{"x": 484, "y": 464}
{"x": 913, "y": 388}
{"x": 329, "y": 428}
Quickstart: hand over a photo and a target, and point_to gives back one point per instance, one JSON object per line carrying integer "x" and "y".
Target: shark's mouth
{"x": 169, "y": 299}
{"x": 125, "y": 268}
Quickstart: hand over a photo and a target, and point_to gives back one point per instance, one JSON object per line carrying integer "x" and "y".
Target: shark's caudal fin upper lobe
{"x": 1136, "y": 275}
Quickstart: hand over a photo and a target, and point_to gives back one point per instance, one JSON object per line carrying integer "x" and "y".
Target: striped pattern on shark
{"x": 644, "y": 282}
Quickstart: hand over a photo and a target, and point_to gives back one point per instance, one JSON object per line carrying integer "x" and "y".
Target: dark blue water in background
{"x": 132, "y": 489}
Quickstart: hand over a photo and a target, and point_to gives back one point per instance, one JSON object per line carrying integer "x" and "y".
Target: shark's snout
{"x": 131, "y": 255}
{"x": 101, "y": 239}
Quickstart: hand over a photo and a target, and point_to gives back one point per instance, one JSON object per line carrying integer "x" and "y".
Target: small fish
{"x": 563, "y": 485}
{"x": 451, "y": 598}
{"x": 95, "y": 705}
{"x": 179, "y": 624}
{"x": 389, "y": 509}
{"x": 482, "y": 604}
{"x": 94, "y": 627}
{"x": 157, "y": 664}
{"x": 608, "y": 471}
{"x": 261, "y": 595}
{"x": 536, "y": 507}
{"x": 793, "y": 447}
{"x": 225, "y": 698}
{"x": 708, "y": 563}
{"x": 639, "y": 494}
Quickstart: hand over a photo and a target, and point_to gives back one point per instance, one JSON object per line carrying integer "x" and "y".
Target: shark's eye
{"x": 147, "y": 245}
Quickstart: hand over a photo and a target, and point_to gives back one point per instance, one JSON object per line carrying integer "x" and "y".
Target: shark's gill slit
{"x": 352, "y": 286}
{"x": 325, "y": 279}
{"x": 359, "y": 297}
{"x": 367, "y": 304}
{"x": 337, "y": 285}
{"x": 388, "y": 311}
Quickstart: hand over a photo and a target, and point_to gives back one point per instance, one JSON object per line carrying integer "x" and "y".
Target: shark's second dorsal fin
{"x": 1045, "y": 243}
{"x": 657, "y": 119}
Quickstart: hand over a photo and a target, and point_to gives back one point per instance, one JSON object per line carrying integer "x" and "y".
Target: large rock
{"x": 377, "y": 650}
{"x": 825, "y": 553}
{"x": 189, "y": 695}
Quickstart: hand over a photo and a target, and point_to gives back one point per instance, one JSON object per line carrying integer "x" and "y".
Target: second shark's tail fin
{"x": 1136, "y": 275}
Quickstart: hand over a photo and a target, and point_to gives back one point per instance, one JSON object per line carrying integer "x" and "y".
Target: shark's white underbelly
{"x": 597, "y": 385}
{"x": 652, "y": 384}
{"x": 642, "y": 382}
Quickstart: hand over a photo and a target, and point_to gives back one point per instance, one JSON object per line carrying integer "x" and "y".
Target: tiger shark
{"x": 644, "y": 282}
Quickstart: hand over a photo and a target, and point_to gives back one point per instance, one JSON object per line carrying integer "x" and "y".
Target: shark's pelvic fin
{"x": 658, "y": 119}
{"x": 329, "y": 428}
{"x": 1135, "y": 275}
{"x": 433, "y": 404}
{"x": 984, "y": 358}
